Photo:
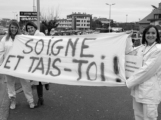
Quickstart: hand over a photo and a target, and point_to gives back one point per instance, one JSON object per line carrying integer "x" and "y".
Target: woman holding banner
{"x": 31, "y": 28}
{"x": 145, "y": 84}
{"x": 5, "y": 45}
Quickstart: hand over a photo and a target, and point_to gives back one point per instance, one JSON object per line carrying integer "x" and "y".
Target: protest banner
{"x": 132, "y": 64}
{"x": 88, "y": 60}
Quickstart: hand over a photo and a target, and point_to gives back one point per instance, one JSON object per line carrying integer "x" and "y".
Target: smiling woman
{"x": 32, "y": 29}
{"x": 145, "y": 83}
{"x": 6, "y": 44}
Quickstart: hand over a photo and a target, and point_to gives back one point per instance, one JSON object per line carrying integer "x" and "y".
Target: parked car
{"x": 136, "y": 38}
{"x": 2, "y": 32}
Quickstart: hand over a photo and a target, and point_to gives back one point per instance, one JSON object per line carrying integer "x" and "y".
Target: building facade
{"x": 76, "y": 21}
{"x": 104, "y": 20}
{"x": 154, "y": 18}
{"x": 64, "y": 24}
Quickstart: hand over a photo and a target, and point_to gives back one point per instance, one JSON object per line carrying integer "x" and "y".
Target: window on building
{"x": 159, "y": 15}
{"x": 156, "y": 16}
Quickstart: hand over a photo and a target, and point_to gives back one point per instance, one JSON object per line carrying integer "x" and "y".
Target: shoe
{"x": 32, "y": 105}
{"x": 47, "y": 86}
{"x": 13, "y": 103}
{"x": 40, "y": 102}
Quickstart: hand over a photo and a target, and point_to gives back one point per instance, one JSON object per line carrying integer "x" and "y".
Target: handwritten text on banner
{"x": 90, "y": 60}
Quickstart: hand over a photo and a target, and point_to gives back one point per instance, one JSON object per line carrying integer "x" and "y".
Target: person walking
{"x": 32, "y": 29}
{"x": 5, "y": 46}
{"x": 145, "y": 84}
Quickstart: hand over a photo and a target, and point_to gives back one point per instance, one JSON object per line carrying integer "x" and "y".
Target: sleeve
{"x": 148, "y": 70}
{"x": 42, "y": 34}
{"x": 2, "y": 50}
{"x": 38, "y": 33}
{"x": 129, "y": 45}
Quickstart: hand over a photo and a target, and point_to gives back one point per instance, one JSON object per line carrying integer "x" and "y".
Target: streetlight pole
{"x": 14, "y": 15}
{"x": 126, "y": 18}
{"x": 154, "y": 7}
{"x": 110, "y": 14}
{"x": 34, "y": 7}
{"x": 38, "y": 14}
{"x": 17, "y": 17}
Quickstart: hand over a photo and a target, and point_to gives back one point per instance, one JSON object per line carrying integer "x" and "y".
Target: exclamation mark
{"x": 102, "y": 69}
{"x": 116, "y": 68}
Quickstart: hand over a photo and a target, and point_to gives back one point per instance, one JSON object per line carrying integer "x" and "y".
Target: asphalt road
{"x": 64, "y": 102}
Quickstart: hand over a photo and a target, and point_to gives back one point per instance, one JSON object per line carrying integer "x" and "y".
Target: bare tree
{"x": 50, "y": 18}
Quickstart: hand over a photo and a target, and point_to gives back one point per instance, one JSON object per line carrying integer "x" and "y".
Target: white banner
{"x": 90, "y": 60}
{"x": 132, "y": 63}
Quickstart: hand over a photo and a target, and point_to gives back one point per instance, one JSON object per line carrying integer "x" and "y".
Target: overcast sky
{"x": 130, "y": 10}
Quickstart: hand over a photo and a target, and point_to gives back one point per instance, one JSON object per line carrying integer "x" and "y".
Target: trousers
{"x": 26, "y": 86}
{"x": 145, "y": 111}
{"x": 39, "y": 90}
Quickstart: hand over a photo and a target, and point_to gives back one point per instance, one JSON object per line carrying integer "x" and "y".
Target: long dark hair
{"x": 146, "y": 30}
{"x": 9, "y": 34}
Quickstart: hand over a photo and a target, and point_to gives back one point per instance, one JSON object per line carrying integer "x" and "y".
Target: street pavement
{"x": 4, "y": 101}
{"x": 64, "y": 102}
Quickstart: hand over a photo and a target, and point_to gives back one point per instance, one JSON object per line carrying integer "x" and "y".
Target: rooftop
{"x": 151, "y": 15}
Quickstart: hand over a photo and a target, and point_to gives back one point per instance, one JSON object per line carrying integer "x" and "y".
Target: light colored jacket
{"x": 5, "y": 46}
{"x": 38, "y": 33}
{"x": 145, "y": 84}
